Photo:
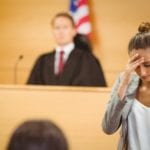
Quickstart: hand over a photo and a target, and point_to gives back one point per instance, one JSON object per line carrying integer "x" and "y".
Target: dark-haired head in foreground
{"x": 38, "y": 135}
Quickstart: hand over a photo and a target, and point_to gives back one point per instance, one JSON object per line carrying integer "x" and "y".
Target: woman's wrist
{"x": 123, "y": 85}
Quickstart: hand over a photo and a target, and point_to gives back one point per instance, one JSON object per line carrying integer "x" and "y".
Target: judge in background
{"x": 71, "y": 62}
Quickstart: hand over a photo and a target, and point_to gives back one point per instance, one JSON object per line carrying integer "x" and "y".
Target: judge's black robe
{"x": 81, "y": 69}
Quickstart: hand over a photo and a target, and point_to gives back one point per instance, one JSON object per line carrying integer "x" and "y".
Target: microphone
{"x": 16, "y": 68}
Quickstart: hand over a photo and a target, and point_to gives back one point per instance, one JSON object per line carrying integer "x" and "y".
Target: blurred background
{"x": 25, "y": 31}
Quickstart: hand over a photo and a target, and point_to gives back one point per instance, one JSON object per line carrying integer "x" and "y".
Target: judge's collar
{"x": 67, "y": 48}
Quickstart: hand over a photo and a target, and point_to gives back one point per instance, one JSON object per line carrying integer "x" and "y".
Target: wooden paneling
{"x": 78, "y": 111}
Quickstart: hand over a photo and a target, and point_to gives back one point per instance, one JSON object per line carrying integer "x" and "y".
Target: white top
{"x": 67, "y": 50}
{"x": 139, "y": 127}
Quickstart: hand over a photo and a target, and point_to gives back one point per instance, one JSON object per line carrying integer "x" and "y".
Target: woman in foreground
{"x": 129, "y": 105}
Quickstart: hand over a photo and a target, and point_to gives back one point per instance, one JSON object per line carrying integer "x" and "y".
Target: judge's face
{"x": 63, "y": 30}
{"x": 143, "y": 70}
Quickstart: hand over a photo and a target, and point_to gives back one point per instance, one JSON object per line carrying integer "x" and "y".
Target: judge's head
{"x": 63, "y": 27}
{"x": 38, "y": 135}
{"x": 139, "y": 51}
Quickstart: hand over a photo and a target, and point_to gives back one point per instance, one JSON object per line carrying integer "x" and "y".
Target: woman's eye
{"x": 147, "y": 65}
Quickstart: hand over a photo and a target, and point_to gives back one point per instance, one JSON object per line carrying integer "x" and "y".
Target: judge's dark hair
{"x": 63, "y": 14}
{"x": 38, "y": 135}
{"x": 82, "y": 42}
{"x": 142, "y": 39}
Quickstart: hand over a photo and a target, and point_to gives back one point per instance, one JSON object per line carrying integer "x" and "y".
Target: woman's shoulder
{"x": 134, "y": 76}
{"x": 134, "y": 80}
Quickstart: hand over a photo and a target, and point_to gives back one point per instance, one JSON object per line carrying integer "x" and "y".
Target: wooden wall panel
{"x": 78, "y": 111}
{"x": 25, "y": 29}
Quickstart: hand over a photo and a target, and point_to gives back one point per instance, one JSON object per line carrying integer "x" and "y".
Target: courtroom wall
{"x": 25, "y": 30}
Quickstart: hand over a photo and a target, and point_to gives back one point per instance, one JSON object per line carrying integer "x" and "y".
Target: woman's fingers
{"x": 138, "y": 62}
{"x": 134, "y": 58}
{"x": 134, "y": 62}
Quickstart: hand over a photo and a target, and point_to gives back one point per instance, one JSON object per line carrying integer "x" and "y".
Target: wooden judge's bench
{"x": 78, "y": 111}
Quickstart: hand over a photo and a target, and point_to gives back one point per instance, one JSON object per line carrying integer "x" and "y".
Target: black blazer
{"x": 81, "y": 69}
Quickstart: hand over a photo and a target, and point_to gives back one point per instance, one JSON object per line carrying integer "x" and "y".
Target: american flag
{"x": 80, "y": 12}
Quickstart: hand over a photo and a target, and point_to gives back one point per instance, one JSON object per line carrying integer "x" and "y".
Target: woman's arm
{"x": 112, "y": 118}
{"x": 113, "y": 115}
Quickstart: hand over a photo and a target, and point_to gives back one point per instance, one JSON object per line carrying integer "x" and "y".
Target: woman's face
{"x": 143, "y": 70}
{"x": 63, "y": 30}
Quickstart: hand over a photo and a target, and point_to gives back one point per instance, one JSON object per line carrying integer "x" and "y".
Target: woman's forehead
{"x": 141, "y": 52}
